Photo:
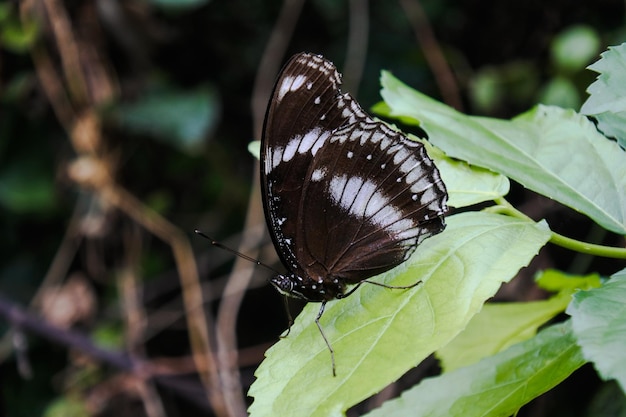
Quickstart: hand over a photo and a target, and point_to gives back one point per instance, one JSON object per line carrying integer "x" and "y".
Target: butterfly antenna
{"x": 234, "y": 252}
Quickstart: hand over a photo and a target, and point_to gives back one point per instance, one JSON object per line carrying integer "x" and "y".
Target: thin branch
{"x": 432, "y": 52}
{"x": 135, "y": 318}
{"x": 356, "y": 50}
{"x": 18, "y": 317}
{"x": 271, "y": 60}
{"x": 68, "y": 50}
{"x": 242, "y": 271}
{"x": 198, "y": 326}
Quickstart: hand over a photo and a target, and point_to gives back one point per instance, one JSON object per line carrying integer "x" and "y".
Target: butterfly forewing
{"x": 345, "y": 196}
{"x": 300, "y": 118}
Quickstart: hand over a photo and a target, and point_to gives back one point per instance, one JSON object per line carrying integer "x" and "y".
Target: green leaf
{"x": 506, "y": 325}
{"x": 378, "y": 334}
{"x": 575, "y": 47}
{"x": 560, "y": 91}
{"x": 254, "y": 148}
{"x": 607, "y": 95}
{"x": 466, "y": 184}
{"x": 182, "y": 119}
{"x": 555, "y": 281}
{"x": 599, "y": 323}
{"x": 67, "y": 407}
{"x": 514, "y": 83}
{"x": 496, "y": 386}
{"x": 552, "y": 151}
{"x": 27, "y": 188}
{"x": 15, "y": 35}
{"x": 178, "y": 5}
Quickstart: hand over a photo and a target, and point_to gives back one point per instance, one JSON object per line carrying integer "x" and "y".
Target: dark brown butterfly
{"x": 345, "y": 196}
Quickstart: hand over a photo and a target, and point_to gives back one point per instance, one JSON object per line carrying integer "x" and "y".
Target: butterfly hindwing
{"x": 371, "y": 199}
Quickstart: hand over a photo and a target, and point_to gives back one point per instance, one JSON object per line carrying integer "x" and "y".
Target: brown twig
{"x": 135, "y": 318}
{"x": 242, "y": 271}
{"x": 271, "y": 60}
{"x": 432, "y": 52}
{"x": 192, "y": 292}
{"x": 19, "y": 318}
{"x": 68, "y": 50}
{"x": 356, "y": 50}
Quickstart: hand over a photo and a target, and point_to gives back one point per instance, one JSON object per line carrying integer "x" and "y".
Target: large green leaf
{"x": 496, "y": 386}
{"x": 607, "y": 95}
{"x": 378, "y": 334}
{"x": 555, "y": 152}
{"x": 599, "y": 323}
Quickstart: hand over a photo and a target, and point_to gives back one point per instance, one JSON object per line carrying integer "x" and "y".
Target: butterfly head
{"x": 308, "y": 289}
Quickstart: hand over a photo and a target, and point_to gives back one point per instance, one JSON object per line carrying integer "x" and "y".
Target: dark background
{"x": 158, "y": 66}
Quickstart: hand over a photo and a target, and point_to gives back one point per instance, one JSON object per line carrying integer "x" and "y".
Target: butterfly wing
{"x": 345, "y": 196}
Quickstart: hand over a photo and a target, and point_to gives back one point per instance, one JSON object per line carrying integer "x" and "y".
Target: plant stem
{"x": 504, "y": 207}
{"x": 589, "y": 248}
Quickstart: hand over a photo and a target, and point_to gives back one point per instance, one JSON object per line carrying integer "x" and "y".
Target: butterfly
{"x": 345, "y": 196}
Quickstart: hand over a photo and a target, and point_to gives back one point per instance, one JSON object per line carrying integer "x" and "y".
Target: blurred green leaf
{"x": 27, "y": 189}
{"x": 513, "y": 82}
{"x": 178, "y": 5}
{"x": 560, "y": 91}
{"x": 496, "y": 386}
{"x": 574, "y": 48}
{"x": 555, "y": 281}
{"x": 607, "y": 95}
{"x": 108, "y": 336}
{"x": 67, "y": 407}
{"x": 552, "y": 151}
{"x": 183, "y": 119}
{"x": 5, "y": 12}
{"x": 599, "y": 323}
{"x": 16, "y": 36}
{"x": 254, "y": 148}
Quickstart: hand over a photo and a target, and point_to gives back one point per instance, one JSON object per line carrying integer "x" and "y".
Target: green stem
{"x": 504, "y": 207}
{"x": 590, "y": 248}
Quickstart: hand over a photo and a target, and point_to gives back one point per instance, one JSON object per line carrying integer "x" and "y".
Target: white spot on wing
{"x": 362, "y": 199}
{"x": 318, "y": 174}
{"x": 290, "y": 83}
{"x": 291, "y": 148}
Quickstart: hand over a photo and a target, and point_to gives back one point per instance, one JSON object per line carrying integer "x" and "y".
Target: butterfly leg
{"x": 319, "y": 326}
{"x": 392, "y": 287}
{"x": 286, "y": 301}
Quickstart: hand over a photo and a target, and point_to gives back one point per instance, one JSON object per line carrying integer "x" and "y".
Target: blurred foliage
{"x": 15, "y": 36}
{"x": 177, "y": 126}
{"x": 181, "y": 119}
